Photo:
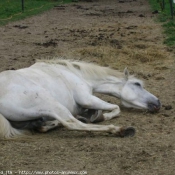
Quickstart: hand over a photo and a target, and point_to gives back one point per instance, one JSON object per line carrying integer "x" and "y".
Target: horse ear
{"x": 126, "y": 72}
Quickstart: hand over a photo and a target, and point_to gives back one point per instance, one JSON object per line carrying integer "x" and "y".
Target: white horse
{"x": 59, "y": 91}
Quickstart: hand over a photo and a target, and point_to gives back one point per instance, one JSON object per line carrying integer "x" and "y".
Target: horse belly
{"x": 61, "y": 84}
{"x": 19, "y": 97}
{"x": 67, "y": 100}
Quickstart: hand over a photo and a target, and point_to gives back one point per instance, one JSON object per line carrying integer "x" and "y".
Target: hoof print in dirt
{"x": 121, "y": 1}
{"x": 167, "y": 107}
{"x": 47, "y": 44}
{"x": 115, "y": 43}
{"x": 127, "y": 132}
{"x": 20, "y": 27}
{"x": 141, "y": 15}
{"x": 166, "y": 115}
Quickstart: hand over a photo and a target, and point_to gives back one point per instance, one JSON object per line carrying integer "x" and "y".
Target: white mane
{"x": 87, "y": 70}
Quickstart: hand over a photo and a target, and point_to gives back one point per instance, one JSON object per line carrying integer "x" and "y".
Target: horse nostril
{"x": 154, "y": 106}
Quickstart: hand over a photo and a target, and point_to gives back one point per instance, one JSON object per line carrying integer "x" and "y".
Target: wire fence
{"x": 168, "y": 4}
{"x": 10, "y": 9}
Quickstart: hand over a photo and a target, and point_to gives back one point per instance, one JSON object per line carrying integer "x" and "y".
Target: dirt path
{"x": 113, "y": 33}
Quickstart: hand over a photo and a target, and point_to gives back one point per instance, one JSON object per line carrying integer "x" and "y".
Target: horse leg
{"x": 49, "y": 125}
{"x": 91, "y": 116}
{"x": 31, "y": 124}
{"x": 47, "y": 106}
{"x": 37, "y": 124}
{"x": 89, "y": 101}
{"x": 97, "y": 117}
{"x": 53, "y": 109}
{"x": 60, "y": 113}
{"x": 88, "y": 116}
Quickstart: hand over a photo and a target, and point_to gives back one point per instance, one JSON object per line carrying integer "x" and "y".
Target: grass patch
{"x": 164, "y": 16}
{"x": 11, "y": 10}
{"x": 170, "y": 33}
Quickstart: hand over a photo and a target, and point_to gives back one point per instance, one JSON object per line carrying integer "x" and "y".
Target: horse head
{"x": 133, "y": 95}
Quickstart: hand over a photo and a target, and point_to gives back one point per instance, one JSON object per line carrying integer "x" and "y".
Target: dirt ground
{"x": 115, "y": 33}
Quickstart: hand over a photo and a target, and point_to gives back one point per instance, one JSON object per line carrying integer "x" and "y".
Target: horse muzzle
{"x": 154, "y": 106}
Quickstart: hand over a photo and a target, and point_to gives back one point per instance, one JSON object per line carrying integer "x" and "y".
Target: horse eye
{"x": 137, "y": 84}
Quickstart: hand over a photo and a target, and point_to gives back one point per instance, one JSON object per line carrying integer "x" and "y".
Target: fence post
{"x": 163, "y": 4}
{"x": 22, "y": 5}
{"x": 171, "y": 8}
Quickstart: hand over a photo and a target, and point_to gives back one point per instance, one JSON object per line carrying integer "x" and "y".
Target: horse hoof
{"x": 83, "y": 119}
{"x": 127, "y": 132}
{"x": 97, "y": 117}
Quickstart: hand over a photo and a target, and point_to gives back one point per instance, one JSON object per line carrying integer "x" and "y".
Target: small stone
{"x": 168, "y": 107}
{"x": 166, "y": 115}
{"x": 141, "y": 15}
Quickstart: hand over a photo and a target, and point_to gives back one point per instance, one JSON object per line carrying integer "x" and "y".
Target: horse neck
{"x": 110, "y": 86}
{"x": 101, "y": 79}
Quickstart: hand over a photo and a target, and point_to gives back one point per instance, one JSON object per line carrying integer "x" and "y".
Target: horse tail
{"x": 7, "y": 131}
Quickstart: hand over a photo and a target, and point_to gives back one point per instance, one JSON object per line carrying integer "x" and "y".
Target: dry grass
{"x": 118, "y": 58}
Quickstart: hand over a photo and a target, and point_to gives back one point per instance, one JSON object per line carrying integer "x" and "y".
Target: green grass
{"x": 11, "y": 10}
{"x": 165, "y": 18}
{"x": 170, "y": 33}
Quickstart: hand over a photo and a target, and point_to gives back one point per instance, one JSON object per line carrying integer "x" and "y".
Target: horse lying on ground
{"x": 57, "y": 92}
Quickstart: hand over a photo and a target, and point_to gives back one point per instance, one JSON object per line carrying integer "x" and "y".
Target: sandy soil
{"x": 115, "y": 33}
